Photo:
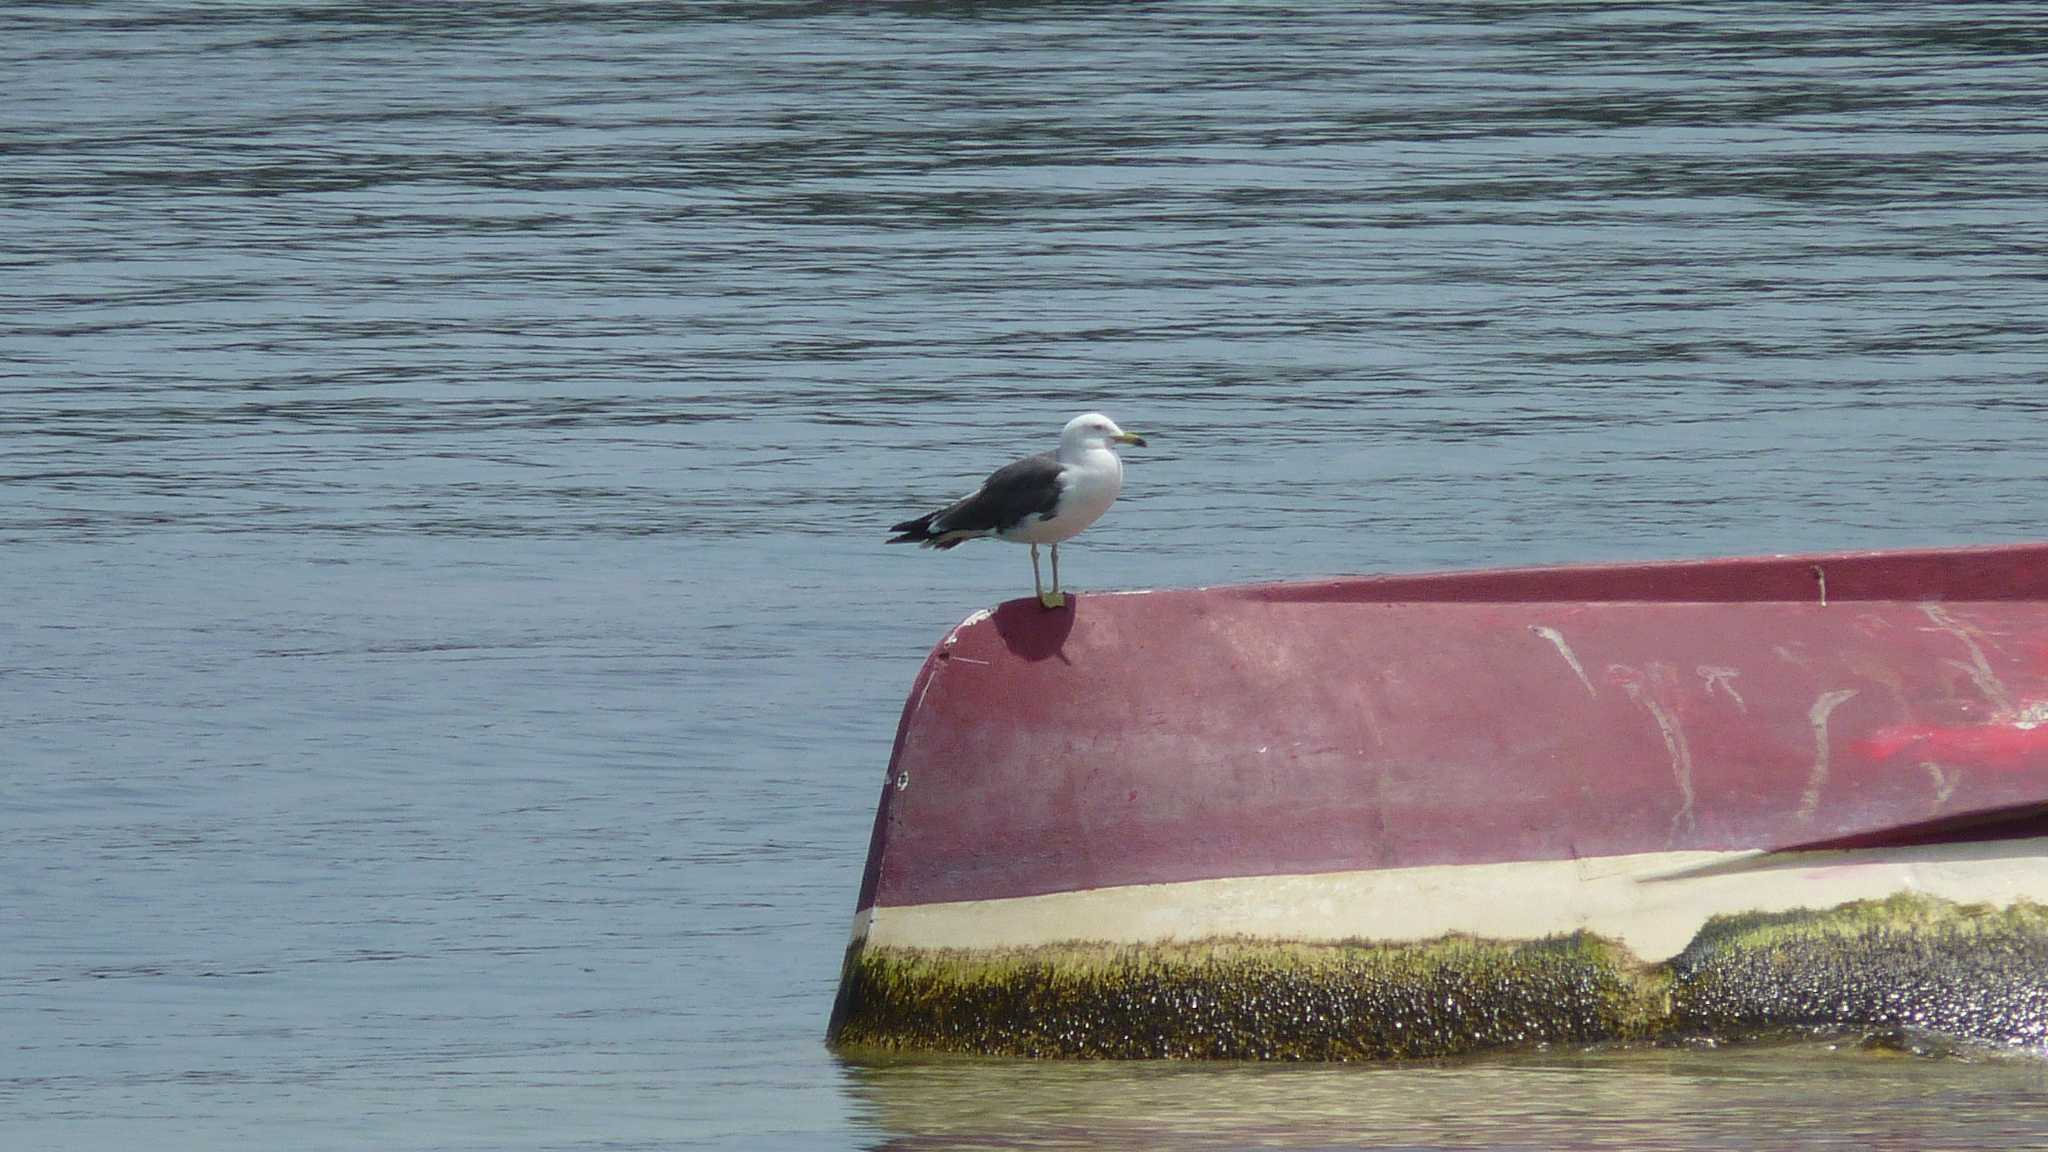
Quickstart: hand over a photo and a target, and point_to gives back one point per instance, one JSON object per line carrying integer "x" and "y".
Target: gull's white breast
{"x": 1087, "y": 489}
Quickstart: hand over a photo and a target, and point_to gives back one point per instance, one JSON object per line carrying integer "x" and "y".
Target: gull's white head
{"x": 1092, "y": 430}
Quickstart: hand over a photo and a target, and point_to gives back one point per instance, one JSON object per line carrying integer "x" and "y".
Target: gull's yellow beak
{"x": 1131, "y": 438}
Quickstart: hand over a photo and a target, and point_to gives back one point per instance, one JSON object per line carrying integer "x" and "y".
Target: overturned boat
{"x": 1426, "y": 815}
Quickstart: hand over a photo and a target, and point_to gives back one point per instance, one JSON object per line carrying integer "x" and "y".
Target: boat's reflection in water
{"x": 1801, "y": 1096}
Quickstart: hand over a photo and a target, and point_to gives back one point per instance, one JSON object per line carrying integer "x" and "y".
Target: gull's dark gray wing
{"x": 1030, "y": 486}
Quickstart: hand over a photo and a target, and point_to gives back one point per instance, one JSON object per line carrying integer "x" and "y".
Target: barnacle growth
{"x": 1967, "y": 971}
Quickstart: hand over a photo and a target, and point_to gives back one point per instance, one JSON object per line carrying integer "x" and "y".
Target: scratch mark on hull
{"x": 1945, "y": 781}
{"x": 1565, "y": 650}
{"x": 1979, "y": 668}
{"x": 1723, "y": 679}
{"x": 1809, "y": 801}
{"x": 1633, "y": 682}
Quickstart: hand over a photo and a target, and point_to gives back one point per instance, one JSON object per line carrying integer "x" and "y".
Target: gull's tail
{"x": 921, "y": 531}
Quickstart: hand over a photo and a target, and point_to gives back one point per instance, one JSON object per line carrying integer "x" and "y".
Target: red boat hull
{"x": 1456, "y": 748}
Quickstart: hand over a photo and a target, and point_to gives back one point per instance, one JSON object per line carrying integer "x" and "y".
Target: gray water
{"x": 447, "y": 654}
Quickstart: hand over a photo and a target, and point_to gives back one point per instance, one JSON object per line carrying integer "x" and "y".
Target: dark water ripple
{"x": 448, "y": 657}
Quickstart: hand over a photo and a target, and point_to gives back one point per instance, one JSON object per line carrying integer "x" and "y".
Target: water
{"x": 448, "y": 659}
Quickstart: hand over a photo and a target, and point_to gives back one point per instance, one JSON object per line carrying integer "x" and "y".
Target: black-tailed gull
{"x": 1040, "y": 499}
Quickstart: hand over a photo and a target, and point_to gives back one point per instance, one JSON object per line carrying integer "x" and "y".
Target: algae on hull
{"x": 1967, "y": 971}
{"x": 1908, "y": 961}
{"x": 1243, "y": 1000}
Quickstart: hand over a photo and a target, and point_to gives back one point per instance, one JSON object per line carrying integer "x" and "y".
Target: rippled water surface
{"x": 448, "y": 658}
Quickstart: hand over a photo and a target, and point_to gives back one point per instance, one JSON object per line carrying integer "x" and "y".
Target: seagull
{"x": 1040, "y": 499}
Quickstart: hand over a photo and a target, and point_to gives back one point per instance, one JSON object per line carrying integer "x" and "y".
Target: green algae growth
{"x": 1913, "y": 962}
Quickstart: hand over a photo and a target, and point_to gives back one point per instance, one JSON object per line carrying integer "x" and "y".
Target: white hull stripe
{"x": 1654, "y": 902}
